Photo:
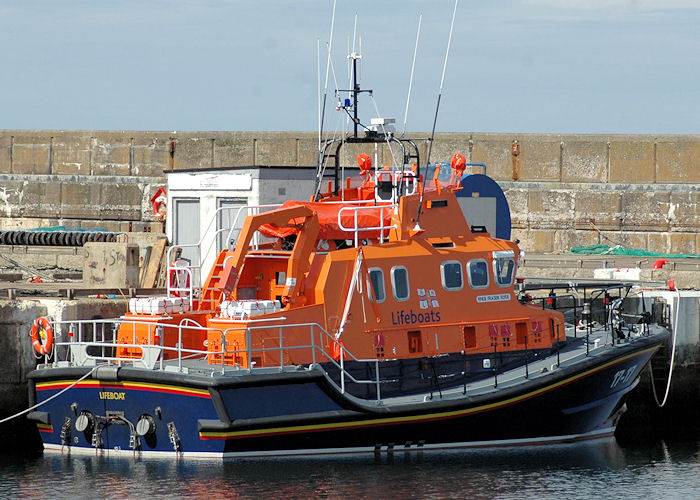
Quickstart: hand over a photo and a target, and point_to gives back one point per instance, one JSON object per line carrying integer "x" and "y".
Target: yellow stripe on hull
{"x": 412, "y": 418}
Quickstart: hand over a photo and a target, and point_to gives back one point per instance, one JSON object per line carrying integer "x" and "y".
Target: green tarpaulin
{"x": 620, "y": 250}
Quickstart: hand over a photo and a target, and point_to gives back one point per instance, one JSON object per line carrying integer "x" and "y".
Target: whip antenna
{"x": 325, "y": 92}
{"x": 410, "y": 82}
{"x": 442, "y": 81}
{"x": 322, "y": 111}
{"x": 437, "y": 108}
{"x": 318, "y": 86}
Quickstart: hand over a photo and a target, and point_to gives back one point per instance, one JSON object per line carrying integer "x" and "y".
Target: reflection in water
{"x": 601, "y": 468}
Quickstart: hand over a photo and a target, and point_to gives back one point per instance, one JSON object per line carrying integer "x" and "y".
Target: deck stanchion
{"x": 575, "y": 316}
{"x": 527, "y": 373}
{"x": 247, "y": 350}
{"x": 557, "y": 329}
{"x": 313, "y": 345}
{"x": 342, "y": 368}
{"x": 223, "y": 352}
{"x": 71, "y": 338}
{"x": 356, "y": 231}
{"x": 587, "y": 318}
{"x": 159, "y": 333}
{"x": 102, "y": 338}
{"x": 281, "y": 351}
{"x": 179, "y": 348}
{"x": 495, "y": 360}
{"x": 464, "y": 358}
{"x": 379, "y": 396}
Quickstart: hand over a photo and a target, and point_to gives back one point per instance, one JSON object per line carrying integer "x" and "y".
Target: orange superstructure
{"x": 378, "y": 276}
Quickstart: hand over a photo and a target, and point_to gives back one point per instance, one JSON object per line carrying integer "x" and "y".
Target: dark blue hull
{"x": 303, "y": 412}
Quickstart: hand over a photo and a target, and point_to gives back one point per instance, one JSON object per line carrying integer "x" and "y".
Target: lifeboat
{"x": 371, "y": 317}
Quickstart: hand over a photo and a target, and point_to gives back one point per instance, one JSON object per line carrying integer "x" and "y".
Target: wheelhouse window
{"x": 478, "y": 273}
{"x": 399, "y": 283}
{"x": 451, "y": 273}
{"x": 377, "y": 291}
{"x": 504, "y": 267}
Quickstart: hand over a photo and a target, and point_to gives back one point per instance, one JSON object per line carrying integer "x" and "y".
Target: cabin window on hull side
{"x": 503, "y": 268}
{"x": 377, "y": 291}
{"x": 478, "y": 273}
{"x": 399, "y": 283}
{"x": 451, "y": 273}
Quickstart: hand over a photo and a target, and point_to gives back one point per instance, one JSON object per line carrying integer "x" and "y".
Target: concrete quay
{"x": 685, "y": 273}
{"x": 16, "y": 318}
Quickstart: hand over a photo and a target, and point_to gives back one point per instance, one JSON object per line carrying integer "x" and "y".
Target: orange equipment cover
{"x": 327, "y": 214}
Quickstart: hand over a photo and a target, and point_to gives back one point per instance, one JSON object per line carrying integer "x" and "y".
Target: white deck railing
{"x": 355, "y": 229}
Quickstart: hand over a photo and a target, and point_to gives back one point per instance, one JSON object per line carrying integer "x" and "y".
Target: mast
{"x": 355, "y": 92}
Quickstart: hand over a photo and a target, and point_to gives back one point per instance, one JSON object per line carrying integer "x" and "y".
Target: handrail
{"x": 356, "y": 229}
{"x": 251, "y": 210}
{"x": 151, "y": 353}
{"x": 86, "y": 335}
{"x": 202, "y": 256}
{"x": 178, "y": 291}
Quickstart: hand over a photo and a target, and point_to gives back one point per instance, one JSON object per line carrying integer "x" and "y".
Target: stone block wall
{"x": 564, "y": 190}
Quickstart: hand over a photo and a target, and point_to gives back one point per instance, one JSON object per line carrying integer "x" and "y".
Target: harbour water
{"x": 609, "y": 468}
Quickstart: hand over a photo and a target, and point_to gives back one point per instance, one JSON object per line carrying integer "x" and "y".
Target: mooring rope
{"x": 49, "y": 399}
{"x": 674, "y": 333}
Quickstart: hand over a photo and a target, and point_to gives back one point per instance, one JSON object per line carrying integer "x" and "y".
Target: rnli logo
{"x": 113, "y": 395}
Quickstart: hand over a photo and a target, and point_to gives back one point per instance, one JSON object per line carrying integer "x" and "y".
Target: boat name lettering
{"x": 409, "y": 317}
{"x": 112, "y": 395}
{"x": 623, "y": 377}
{"x": 498, "y": 297}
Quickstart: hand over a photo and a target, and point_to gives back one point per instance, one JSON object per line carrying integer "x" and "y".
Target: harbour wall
{"x": 640, "y": 191}
{"x": 19, "y": 358}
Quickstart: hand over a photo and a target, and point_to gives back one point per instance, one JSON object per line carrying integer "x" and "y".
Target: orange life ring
{"x": 41, "y": 330}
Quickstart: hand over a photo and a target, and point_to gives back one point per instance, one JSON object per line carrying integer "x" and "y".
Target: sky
{"x": 515, "y": 66}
